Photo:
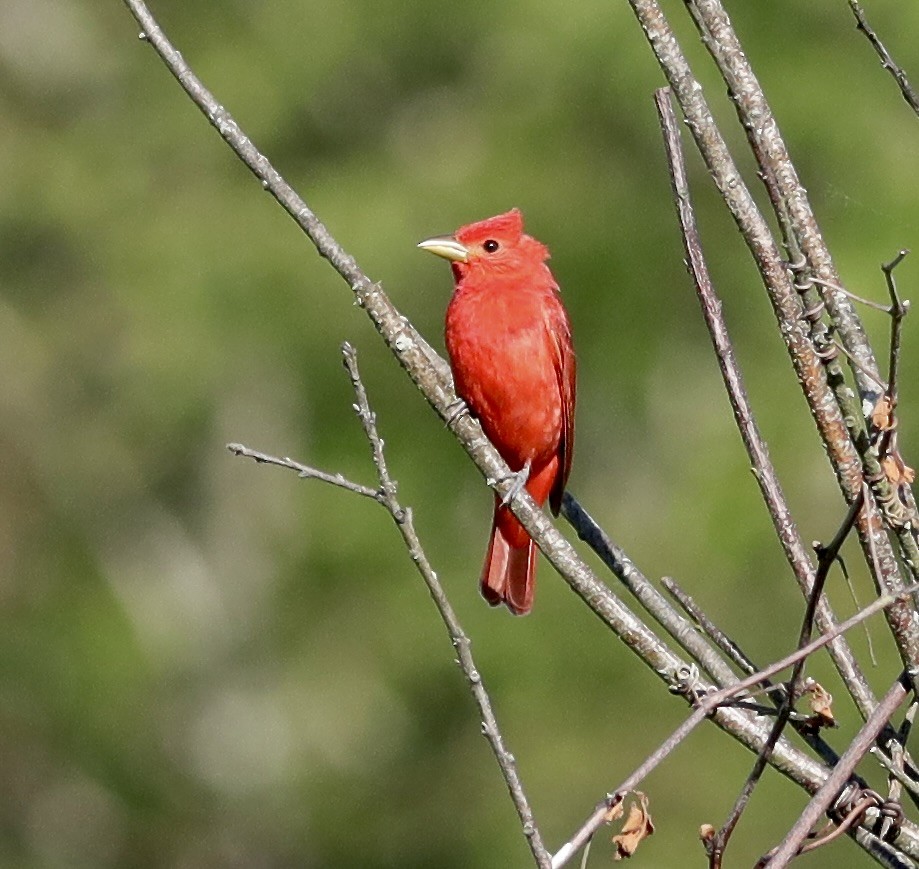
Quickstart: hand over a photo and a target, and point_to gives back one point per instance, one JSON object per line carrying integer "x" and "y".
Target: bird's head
{"x": 497, "y": 245}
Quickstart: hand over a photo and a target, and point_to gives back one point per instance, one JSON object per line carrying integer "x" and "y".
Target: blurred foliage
{"x": 208, "y": 663}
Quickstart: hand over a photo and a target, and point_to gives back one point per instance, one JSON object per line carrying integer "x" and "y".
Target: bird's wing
{"x": 565, "y": 372}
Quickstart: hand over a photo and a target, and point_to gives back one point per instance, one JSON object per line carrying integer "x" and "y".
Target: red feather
{"x": 509, "y": 342}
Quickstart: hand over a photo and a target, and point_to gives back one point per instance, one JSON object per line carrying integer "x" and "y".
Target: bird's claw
{"x": 519, "y": 481}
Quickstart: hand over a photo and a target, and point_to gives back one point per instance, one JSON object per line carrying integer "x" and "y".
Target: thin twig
{"x": 403, "y": 519}
{"x": 826, "y": 556}
{"x": 870, "y": 303}
{"x": 898, "y": 311}
{"x": 706, "y": 704}
{"x": 874, "y": 378}
{"x": 307, "y": 472}
{"x": 887, "y": 61}
{"x": 644, "y": 591}
{"x": 822, "y": 800}
{"x": 709, "y": 628}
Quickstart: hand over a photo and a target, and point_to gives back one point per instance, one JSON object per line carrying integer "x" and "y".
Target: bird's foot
{"x": 519, "y": 481}
{"x": 454, "y": 410}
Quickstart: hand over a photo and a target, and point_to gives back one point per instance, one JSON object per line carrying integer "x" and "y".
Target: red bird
{"x": 510, "y": 349}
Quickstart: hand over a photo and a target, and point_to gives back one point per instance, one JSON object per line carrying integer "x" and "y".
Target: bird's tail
{"x": 509, "y": 575}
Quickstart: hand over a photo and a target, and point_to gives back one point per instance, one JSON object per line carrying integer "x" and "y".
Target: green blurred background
{"x": 204, "y": 662}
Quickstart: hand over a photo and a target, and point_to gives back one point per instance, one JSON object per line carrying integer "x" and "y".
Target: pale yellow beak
{"x": 447, "y": 247}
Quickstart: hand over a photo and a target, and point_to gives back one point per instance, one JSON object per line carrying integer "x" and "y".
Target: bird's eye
{"x": 490, "y": 246}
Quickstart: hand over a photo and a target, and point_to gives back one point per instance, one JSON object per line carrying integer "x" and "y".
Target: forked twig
{"x": 306, "y": 472}
{"x": 899, "y": 308}
{"x": 402, "y": 516}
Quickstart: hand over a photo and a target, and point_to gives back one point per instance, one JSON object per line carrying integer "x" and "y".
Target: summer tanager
{"x": 513, "y": 363}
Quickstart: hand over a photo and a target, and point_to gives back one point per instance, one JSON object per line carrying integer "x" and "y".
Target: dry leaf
{"x": 615, "y": 811}
{"x": 882, "y": 416}
{"x": 821, "y": 703}
{"x": 897, "y": 471}
{"x": 637, "y": 827}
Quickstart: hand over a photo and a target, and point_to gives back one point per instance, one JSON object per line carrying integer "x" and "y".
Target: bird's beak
{"x": 447, "y": 247}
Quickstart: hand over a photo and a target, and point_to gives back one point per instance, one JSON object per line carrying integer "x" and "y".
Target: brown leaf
{"x": 821, "y": 703}
{"x": 882, "y": 417}
{"x": 637, "y": 826}
{"x": 615, "y": 811}
{"x": 896, "y": 470}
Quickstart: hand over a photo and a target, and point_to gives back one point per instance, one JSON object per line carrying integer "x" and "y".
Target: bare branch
{"x": 827, "y": 555}
{"x": 887, "y": 61}
{"x": 402, "y": 516}
{"x": 828, "y": 792}
{"x": 791, "y": 202}
{"x": 306, "y": 471}
{"x": 782, "y": 293}
{"x": 707, "y": 703}
{"x": 755, "y": 114}
{"x": 403, "y": 519}
{"x": 763, "y": 469}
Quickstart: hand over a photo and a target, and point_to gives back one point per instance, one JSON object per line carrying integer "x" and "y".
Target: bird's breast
{"x": 505, "y": 367}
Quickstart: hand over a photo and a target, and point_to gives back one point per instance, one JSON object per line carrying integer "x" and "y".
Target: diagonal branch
{"x": 906, "y": 89}
{"x": 809, "y": 365}
{"x": 706, "y": 704}
{"x": 785, "y": 301}
{"x": 857, "y": 749}
{"x": 791, "y": 202}
{"x": 763, "y": 469}
{"x": 402, "y": 516}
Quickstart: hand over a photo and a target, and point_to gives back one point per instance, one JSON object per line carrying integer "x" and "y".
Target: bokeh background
{"x": 208, "y": 663}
